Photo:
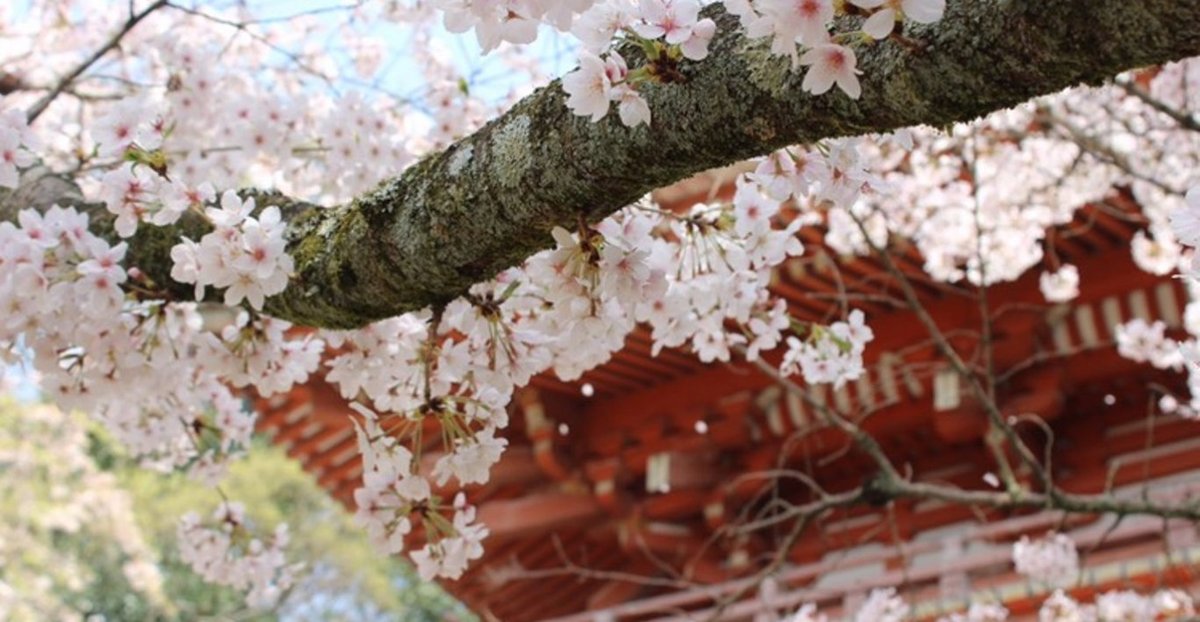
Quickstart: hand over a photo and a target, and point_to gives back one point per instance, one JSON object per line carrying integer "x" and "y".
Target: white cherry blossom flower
{"x": 1185, "y": 221}
{"x": 632, "y": 107}
{"x": 830, "y": 63}
{"x": 12, "y": 156}
{"x": 1051, "y": 560}
{"x": 1059, "y": 607}
{"x": 588, "y": 88}
{"x": 1061, "y": 285}
{"x": 672, "y": 20}
{"x": 882, "y": 605}
{"x": 881, "y": 23}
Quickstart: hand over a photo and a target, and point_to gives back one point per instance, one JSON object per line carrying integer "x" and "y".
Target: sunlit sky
{"x": 398, "y": 74}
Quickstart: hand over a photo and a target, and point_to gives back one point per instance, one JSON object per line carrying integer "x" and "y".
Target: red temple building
{"x": 639, "y": 469}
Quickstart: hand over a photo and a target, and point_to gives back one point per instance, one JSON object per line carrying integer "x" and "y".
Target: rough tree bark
{"x": 487, "y": 202}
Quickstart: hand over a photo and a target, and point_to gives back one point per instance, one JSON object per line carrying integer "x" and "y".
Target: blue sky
{"x": 399, "y": 74}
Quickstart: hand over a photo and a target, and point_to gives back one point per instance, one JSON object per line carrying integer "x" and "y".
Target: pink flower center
{"x": 836, "y": 59}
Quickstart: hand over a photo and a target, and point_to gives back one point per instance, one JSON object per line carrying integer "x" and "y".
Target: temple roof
{"x": 639, "y": 469}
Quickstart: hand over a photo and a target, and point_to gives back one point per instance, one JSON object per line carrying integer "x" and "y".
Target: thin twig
{"x": 40, "y": 105}
{"x": 1183, "y": 118}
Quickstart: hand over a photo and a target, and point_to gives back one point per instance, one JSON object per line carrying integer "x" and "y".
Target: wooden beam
{"x": 538, "y": 514}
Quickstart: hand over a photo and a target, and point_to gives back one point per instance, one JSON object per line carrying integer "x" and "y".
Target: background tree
{"x": 87, "y": 532}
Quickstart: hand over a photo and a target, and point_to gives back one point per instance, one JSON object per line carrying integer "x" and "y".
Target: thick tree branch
{"x": 490, "y": 200}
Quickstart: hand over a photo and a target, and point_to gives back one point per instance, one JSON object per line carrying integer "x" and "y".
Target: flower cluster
{"x": 795, "y": 25}
{"x": 592, "y": 283}
{"x": 132, "y": 124}
{"x": 1114, "y": 605}
{"x": 671, "y": 30}
{"x": 806, "y": 613}
{"x": 829, "y": 355}
{"x": 243, "y": 254}
{"x": 1155, "y": 251}
{"x": 449, "y": 555}
{"x": 666, "y": 30}
{"x": 883, "y": 605}
{"x": 1165, "y": 604}
{"x": 685, "y": 275}
{"x": 393, "y": 492}
{"x": 1147, "y": 342}
{"x": 719, "y": 267}
{"x": 224, "y": 552}
{"x": 1059, "y": 607}
{"x": 599, "y": 82}
{"x": 150, "y": 371}
{"x": 131, "y": 364}
{"x": 1062, "y": 285}
{"x": 678, "y": 23}
{"x": 979, "y": 612}
{"x": 512, "y": 21}
{"x": 1051, "y": 560}
{"x": 257, "y": 352}
{"x": 140, "y": 190}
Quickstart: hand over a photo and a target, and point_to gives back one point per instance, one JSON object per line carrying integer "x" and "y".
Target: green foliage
{"x": 68, "y": 539}
{"x": 346, "y": 573}
{"x": 57, "y": 465}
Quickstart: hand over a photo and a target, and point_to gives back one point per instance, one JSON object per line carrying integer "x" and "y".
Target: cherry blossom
{"x": 799, "y": 29}
{"x": 829, "y": 355}
{"x": 597, "y": 26}
{"x": 1051, "y": 560}
{"x": 16, "y": 145}
{"x": 1061, "y": 285}
{"x": 789, "y": 22}
{"x": 1174, "y": 604}
{"x": 1185, "y": 222}
{"x": 128, "y": 124}
{"x": 631, "y": 106}
{"x": 221, "y": 554}
{"x": 245, "y": 255}
{"x": 830, "y": 63}
{"x": 129, "y": 192}
{"x": 588, "y": 88}
{"x": 882, "y": 21}
{"x": 806, "y": 613}
{"x": 677, "y": 22}
{"x": 1156, "y": 252}
{"x": 1124, "y": 605}
{"x": 979, "y": 612}
{"x": 882, "y": 605}
{"x": 597, "y": 83}
{"x": 1146, "y": 342}
{"x": 672, "y": 20}
{"x": 1059, "y": 607}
